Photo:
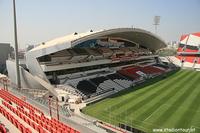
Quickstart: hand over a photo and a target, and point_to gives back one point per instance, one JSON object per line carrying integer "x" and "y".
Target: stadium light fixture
{"x": 16, "y": 47}
{"x": 156, "y": 22}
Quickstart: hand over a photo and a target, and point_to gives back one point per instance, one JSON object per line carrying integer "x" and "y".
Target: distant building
{"x": 172, "y": 45}
{"x": 5, "y": 51}
{"x": 29, "y": 47}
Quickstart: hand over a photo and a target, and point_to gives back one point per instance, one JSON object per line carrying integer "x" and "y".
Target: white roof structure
{"x": 61, "y": 40}
{"x": 36, "y": 76}
{"x": 139, "y": 36}
{"x": 191, "y": 39}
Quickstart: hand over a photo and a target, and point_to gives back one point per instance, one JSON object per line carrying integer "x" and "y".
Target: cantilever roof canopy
{"x": 139, "y": 36}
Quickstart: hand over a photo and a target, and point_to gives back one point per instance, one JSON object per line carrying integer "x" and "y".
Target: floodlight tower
{"x": 16, "y": 47}
{"x": 156, "y": 22}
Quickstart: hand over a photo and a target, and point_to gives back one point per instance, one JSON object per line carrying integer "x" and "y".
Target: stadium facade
{"x": 188, "y": 52}
{"x": 92, "y": 63}
{"x": 189, "y": 47}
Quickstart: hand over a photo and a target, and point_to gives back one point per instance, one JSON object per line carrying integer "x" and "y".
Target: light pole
{"x": 57, "y": 108}
{"x": 16, "y": 47}
{"x": 156, "y": 22}
{"x": 50, "y": 102}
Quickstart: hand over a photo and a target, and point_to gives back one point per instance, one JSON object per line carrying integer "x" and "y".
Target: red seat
{"x": 52, "y": 125}
{"x": 2, "y": 129}
{"x": 59, "y": 130}
{"x": 49, "y": 128}
{"x": 20, "y": 127}
{"x": 31, "y": 124}
{"x": 34, "y": 125}
{"x": 28, "y": 121}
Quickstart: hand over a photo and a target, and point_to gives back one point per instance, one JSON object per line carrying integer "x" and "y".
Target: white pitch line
{"x": 153, "y": 112}
{"x": 195, "y": 127}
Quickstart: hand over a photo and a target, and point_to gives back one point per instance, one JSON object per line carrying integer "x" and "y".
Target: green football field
{"x": 160, "y": 103}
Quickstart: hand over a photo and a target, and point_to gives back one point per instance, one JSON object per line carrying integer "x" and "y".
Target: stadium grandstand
{"x": 93, "y": 63}
{"x": 188, "y": 51}
{"x": 82, "y": 68}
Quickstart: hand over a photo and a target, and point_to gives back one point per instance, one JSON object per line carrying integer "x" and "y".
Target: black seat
{"x": 86, "y": 87}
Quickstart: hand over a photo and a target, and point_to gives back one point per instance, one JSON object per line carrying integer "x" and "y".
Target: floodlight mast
{"x": 156, "y": 22}
{"x": 16, "y": 47}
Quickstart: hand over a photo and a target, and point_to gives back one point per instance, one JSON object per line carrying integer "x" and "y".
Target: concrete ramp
{"x": 46, "y": 85}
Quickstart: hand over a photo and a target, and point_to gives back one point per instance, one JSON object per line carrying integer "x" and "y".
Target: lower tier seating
{"x": 138, "y": 72}
{"x": 152, "y": 70}
{"x": 33, "y": 116}
{"x": 190, "y": 59}
{"x": 130, "y": 72}
{"x": 2, "y": 127}
{"x": 124, "y": 78}
{"x": 97, "y": 85}
{"x": 116, "y": 76}
{"x": 14, "y": 121}
{"x": 98, "y": 80}
{"x": 121, "y": 80}
{"x": 161, "y": 66}
{"x": 86, "y": 87}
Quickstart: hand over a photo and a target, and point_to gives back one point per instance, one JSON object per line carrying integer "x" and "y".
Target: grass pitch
{"x": 172, "y": 102}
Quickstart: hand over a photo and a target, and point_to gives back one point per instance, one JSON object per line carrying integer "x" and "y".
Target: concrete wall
{"x": 27, "y": 80}
{"x": 5, "y": 50}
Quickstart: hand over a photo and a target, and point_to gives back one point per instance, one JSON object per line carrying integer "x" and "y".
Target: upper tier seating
{"x": 106, "y": 52}
{"x": 62, "y": 53}
{"x": 93, "y": 51}
{"x": 80, "y": 51}
{"x": 187, "y": 48}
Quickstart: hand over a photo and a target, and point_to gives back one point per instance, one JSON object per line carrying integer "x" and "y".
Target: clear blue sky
{"x": 42, "y": 20}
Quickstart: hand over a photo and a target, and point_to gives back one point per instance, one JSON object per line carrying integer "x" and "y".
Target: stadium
{"x": 113, "y": 79}
{"x": 74, "y": 61}
{"x": 188, "y": 51}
